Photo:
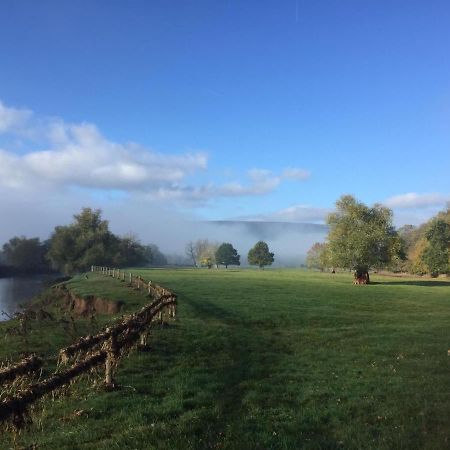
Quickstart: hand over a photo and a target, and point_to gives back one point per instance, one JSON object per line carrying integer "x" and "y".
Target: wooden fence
{"x": 106, "y": 347}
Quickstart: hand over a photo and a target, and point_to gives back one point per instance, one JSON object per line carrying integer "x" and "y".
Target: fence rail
{"x": 106, "y": 347}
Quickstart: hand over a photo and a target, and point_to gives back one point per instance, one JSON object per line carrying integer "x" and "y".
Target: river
{"x": 16, "y": 291}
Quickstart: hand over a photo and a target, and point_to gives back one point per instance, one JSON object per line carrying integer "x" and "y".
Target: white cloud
{"x": 414, "y": 200}
{"x": 85, "y": 158}
{"x": 12, "y": 119}
{"x": 64, "y": 155}
{"x": 296, "y": 174}
{"x": 261, "y": 182}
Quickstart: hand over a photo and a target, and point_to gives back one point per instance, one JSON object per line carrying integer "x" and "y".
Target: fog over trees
{"x": 359, "y": 238}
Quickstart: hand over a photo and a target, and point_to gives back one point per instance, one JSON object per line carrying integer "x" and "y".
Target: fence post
{"x": 110, "y": 362}
{"x": 143, "y": 341}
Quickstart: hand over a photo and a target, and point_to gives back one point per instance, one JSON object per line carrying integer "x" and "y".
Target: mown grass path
{"x": 275, "y": 359}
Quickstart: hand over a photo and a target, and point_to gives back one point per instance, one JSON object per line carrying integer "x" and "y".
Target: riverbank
{"x": 51, "y": 321}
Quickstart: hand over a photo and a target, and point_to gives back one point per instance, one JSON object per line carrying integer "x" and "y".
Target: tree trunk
{"x": 361, "y": 276}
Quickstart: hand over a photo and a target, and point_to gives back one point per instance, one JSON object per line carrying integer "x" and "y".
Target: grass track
{"x": 275, "y": 359}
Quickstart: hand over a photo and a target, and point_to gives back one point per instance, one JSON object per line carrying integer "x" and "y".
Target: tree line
{"x": 204, "y": 253}
{"x": 88, "y": 241}
{"x": 361, "y": 238}
{"x": 74, "y": 248}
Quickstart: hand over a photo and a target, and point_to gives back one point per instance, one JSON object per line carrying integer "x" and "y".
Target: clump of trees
{"x": 25, "y": 255}
{"x": 74, "y": 248}
{"x": 154, "y": 256}
{"x": 260, "y": 255}
{"x": 427, "y": 246}
{"x": 362, "y": 238}
{"x": 204, "y": 253}
{"x": 88, "y": 241}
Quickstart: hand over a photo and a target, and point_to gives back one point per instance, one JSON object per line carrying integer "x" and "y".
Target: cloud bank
{"x": 50, "y": 168}
{"x": 78, "y": 155}
{"x": 414, "y": 200}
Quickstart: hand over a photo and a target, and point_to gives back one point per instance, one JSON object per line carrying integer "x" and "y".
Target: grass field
{"x": 274, "y": 359}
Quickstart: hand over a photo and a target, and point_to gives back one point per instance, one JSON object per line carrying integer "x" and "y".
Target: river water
{"x": 16, "y": 291}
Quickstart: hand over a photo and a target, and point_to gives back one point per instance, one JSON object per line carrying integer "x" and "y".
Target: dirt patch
{"x": 90, "y": 304}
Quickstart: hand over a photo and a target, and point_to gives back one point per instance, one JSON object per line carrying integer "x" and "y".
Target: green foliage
{"x": 360, "y": 237}
{"x": 260, "y": 255}
{"x": 436, "y": 254}
{"x": 154, "y": 256}
{"x": 318, "y": 257}
{"x": 227, "y": 255}
{"x": 130, "y": 252}
{"x": 25, "y": 254}
{"x": 87, "y": 241}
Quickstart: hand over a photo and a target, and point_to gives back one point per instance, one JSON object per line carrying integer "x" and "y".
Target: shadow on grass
{"x": 251, "y": 350}
{"x": 424, "y": 283}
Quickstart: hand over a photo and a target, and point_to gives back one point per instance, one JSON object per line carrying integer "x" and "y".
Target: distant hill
{"x": 272, "y": 230}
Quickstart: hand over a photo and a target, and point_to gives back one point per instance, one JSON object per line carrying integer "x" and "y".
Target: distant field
{"x": 274, "y": 359}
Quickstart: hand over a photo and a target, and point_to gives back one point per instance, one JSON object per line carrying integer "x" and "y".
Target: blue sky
{"x": 254, "y": 109}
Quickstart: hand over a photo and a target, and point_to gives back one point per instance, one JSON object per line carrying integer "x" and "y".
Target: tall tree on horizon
{"x": 260, "y": 255}
{"x": 227, "y": 255}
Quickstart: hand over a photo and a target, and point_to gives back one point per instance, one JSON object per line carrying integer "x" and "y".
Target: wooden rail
{"x": 106, "y": 347}
{"x": 23, "y": 367}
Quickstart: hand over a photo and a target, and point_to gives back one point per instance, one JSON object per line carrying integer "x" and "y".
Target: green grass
{"x": 274, "y": 359}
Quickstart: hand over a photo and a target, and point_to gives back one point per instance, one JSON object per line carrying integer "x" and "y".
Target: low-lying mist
{"x": 289, "y": 241}
{"x": 169, "y": 230}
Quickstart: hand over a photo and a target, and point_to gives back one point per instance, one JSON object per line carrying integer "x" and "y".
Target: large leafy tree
{"x": 260, "y": 255}
{"x": 361, "y": 237}
{"x": 227, "y": 255}
{"x": 87, "y": 241}
{"x": 436, "y": 254}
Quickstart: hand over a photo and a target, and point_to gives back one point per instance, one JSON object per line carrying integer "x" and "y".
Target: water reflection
{"x": 16, "y": 291}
